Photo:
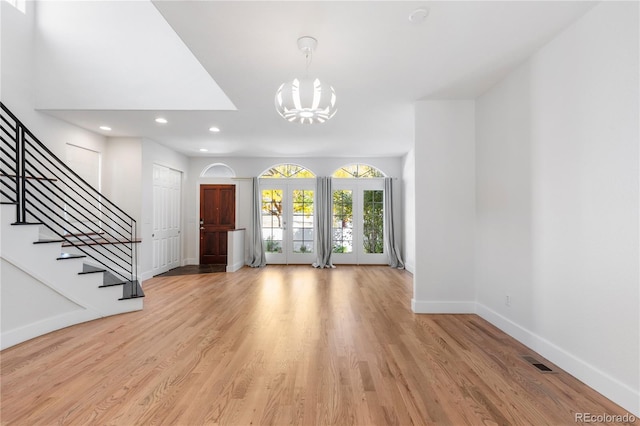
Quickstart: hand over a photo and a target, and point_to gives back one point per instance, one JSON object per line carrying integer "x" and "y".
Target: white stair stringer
{"x": 30, "y": 265}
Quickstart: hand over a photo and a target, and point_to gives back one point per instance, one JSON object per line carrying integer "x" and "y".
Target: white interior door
{"x": 288, "y": 208}
{"x": 166, "y": 237}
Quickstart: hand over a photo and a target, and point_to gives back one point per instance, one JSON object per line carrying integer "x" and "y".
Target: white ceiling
{"x": 378, "y": 62}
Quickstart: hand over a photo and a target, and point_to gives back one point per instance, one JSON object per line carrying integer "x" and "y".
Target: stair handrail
{"x": 23, "y": 164}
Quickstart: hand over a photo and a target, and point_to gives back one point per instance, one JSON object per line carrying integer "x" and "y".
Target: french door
{"x": 288, "y": 208}
{"x": 358, "y": 222}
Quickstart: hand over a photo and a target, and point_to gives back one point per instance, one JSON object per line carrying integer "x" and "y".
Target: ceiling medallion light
{"x": 306, "y": 100}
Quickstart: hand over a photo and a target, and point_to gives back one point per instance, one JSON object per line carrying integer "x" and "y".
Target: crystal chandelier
{"x": 306, "y": 100}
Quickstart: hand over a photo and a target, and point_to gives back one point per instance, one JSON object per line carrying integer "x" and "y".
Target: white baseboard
{"x": 22, "y": 334}
{"x": 236, "y": 266}
{"x": 190, "y": 261}
{"x": 444, "y": 307}
{"x": 409, "y": 267}
{"x": 145, "y": 276}
{"x": 608, "y": 386}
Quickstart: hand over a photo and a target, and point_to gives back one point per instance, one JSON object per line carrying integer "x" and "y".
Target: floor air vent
{"x": 540, "y": 366}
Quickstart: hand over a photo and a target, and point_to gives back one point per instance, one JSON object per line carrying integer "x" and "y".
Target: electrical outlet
{"x": 507, "y": 300}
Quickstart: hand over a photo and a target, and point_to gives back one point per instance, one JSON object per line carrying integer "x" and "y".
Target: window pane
{"x": 357, "y": 171}
{"x": 342, "y": 221}
{"x": 373, "y": 236}
{"x": 287, "y": 171}
{"x": 302, "y": 225}
{"x": 272, "y": 232}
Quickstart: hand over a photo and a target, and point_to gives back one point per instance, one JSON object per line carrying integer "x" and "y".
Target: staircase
{"x": 68, "y": 253}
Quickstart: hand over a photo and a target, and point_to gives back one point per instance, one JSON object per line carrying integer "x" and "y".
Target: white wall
{"x": 25, "y": 300}
{"x": 121, "y": 174}
{"x": 504, "y": 228}
{"x": 444, "y": 207}
{"x": 409, "y": 210}
{"x": 557, "y": 202}
{"x": 253, "y": 166}
{"x": 78, "y": 68}
{"x": 16, "y": 83}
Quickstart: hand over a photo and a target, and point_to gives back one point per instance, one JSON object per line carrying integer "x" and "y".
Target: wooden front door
{"x": 217, "y": 217}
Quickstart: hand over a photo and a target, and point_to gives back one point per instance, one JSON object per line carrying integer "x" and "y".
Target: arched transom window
{"x": 357, "y": 171}
{"x": 287, "y": 171}
{"x": 218, "y": 170}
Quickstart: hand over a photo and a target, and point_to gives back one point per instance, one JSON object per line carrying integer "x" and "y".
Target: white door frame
{"x": 358, "y": 255}
{"x": 287, "y": 186}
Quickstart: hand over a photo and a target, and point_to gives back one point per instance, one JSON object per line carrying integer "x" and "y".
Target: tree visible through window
{"x": 370, "y": 213}
{"x": 357, "y": 171}
{"x": 373, "y": 237}
{"x": 287, "y": 214}
{"x": 302, "y": 221}
{"x": 272, "y": 226}
{"x": 343, "y": 221}
{"x": 287, "y": 171}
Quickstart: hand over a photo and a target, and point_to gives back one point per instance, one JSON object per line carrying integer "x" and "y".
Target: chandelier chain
{"x": 308, "y": 56}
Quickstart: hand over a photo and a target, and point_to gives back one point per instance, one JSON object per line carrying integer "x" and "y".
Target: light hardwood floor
{"x": 285, "y": 345}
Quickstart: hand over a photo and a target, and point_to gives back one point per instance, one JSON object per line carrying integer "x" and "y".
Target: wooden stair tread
{"x": 48, "y": 241}
{"x": 82, "y": 234}
{"x": 26, "y": 223}
{"x": 99, "y": 242}
{"x": 65, "y": 256}
{"x": 30, "y": 177}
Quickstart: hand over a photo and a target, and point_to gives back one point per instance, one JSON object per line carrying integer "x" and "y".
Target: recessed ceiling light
{"x": 161, "y": 120}
{"x": 107, "y": 128}
{"x": 418, "y": 16}
{"x": 214, "y": 129}
{"x": 204, "y": 150}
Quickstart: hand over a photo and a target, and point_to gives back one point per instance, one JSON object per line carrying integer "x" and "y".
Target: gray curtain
{"x": 322, "y": 215}
{"x": 256, "y": 245}
{"x": 392, "y": 238}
